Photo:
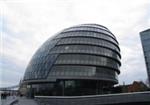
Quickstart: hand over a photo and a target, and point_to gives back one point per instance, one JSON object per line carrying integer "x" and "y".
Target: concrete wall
{"x": 138, "y": 98}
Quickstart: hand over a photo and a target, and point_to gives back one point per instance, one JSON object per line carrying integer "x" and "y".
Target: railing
{"x": 9, "y": 88}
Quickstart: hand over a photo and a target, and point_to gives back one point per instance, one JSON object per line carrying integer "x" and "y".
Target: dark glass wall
{"x": 71, "y": 87}
{"x": 145, "y": 38}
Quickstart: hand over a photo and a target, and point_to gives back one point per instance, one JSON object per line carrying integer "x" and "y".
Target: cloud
{"x": 26, "y": 24}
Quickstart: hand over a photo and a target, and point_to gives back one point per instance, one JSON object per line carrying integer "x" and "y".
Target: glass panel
{"x": 80, "y": 71}
{"x": 87, "y": 34}
{"x": 87, "y": 28}
{"x": 91, "y": 41}
{"x": 87, "y": 49}
{"x": 94, "y": 25}
{"x": 40, "y": 69}
{"x": 87, "y": 60}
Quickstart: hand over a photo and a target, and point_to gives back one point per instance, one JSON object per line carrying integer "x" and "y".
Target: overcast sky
{"x": 26, "y": 24}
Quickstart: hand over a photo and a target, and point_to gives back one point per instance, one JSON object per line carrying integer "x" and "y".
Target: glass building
{"x": 145, "y": 39}
{"x": 80, "y": 60}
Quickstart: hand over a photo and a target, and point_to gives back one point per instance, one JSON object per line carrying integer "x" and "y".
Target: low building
{"x": 136, "y": 86}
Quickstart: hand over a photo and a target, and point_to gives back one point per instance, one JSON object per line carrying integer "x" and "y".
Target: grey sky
{"x": 26, "y": 24}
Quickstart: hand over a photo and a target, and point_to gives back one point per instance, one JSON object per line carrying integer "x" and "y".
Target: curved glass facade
{"x": 76, "y": 57}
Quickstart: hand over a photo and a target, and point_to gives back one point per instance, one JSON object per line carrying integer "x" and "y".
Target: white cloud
{"x": 28, "y": 23}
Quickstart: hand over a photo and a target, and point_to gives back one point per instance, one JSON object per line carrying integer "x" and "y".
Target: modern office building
{"x": 80, "y": 60}
{"x": 145, "y": 39}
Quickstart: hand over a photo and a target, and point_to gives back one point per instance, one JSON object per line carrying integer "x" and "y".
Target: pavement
{"x": 12, "y": 100}
{"x": 8, "y": 100}
{"x": 25, "y": 101}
